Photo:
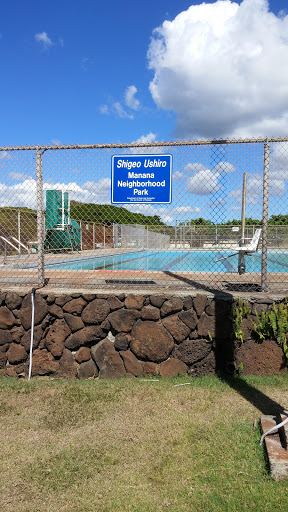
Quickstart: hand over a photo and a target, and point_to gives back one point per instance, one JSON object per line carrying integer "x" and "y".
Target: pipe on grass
{"x": 32, "y": 331}
{"x": 276, "y": 427}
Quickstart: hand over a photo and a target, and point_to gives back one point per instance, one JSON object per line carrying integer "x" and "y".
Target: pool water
{"x": 177, "y": 261}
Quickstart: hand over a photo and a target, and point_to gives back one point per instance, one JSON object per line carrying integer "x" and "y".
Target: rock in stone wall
{"x": 107, "y": 336}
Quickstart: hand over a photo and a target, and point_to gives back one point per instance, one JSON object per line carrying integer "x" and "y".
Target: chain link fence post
{"x": 264, "y": 281}
{"x": 40, "y": 222}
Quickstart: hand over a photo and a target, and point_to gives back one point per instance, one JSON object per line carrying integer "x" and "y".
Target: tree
{"x": 200, "y": 222}
{"x": 278, "y": 220}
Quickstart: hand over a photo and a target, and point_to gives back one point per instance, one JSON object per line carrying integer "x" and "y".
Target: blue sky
{"x": 64, "y": 62}
{"x": 55, "y": 91}
{"x": 105, "y": 72}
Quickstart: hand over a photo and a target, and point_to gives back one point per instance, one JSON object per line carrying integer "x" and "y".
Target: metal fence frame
{"x": 39, "y": 150}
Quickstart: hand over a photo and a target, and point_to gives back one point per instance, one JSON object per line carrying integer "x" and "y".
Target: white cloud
{"x": 104, "y": 109}
{"x": 224, "y": 167}
{"x": 20, "y": 194}
{"x": 236, "y": 194}
{"x": 4, "y": 157}
{"x": 84, "y": 62}
{"x": 279, "y": 159}
{"x": 167, "y": 214}
{"x": 220, "y": 68}
{"x": 255, "y": 187}
{"x": 89, "y": 192}
{"x": 194, "y": 167}
{"x": 150, "y": 137}
{"x": 277, "y": 187}
{"x": 24, "y": 194}
{"x": 177, "y": 175}
{"x": 254, "y": 191}
{"x": 203, "y": 182}
{"x": 43, "y": 39}
{"x": 19, "y": 176}
{"x": 121, "y": 112}
{"x": 117, "y": 107}
{"x": 130, "y": 99}
{"x": 179, "y": 210}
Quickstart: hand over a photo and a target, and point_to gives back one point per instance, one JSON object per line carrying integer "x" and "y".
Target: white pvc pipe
{"x": 276, "y": 427}
{"x": 32, "y": 331}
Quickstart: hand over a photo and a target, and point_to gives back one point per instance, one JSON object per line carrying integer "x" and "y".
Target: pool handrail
{"x": 6, "y": 241}
{"x": 254, "y": 244}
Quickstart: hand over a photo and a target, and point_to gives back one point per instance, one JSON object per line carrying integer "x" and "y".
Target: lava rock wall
{"x": 111, "y": 336}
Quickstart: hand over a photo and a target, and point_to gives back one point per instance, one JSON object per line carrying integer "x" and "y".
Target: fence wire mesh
{"x": 225, "y": 228}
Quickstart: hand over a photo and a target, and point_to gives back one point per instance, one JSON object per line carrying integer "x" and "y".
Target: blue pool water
{"x": 185, "y": 261}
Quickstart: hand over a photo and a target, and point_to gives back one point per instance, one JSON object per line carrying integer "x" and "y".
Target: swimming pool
{"x": 174, "y": 261}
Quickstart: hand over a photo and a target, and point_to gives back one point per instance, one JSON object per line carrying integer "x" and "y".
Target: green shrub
{"x": 274, "y": 325}
{"x": 237, "y": 314}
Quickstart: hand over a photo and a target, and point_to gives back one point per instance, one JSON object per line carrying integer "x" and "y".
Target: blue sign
{"x": 141, "y": 179}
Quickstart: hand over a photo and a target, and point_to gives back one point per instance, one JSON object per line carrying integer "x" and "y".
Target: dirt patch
{"x": 264, "y": 358}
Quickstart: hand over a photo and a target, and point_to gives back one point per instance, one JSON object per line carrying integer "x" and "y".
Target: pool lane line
{"x": 87, "y": 259}
{"x": 104, "y": 267}
{"x": 125, "y": 261}
{"x": 65, "y": 261}
{"x": 229, "y": 267}
{"x": 176, "y": 260}
{"x": 277, "y": 262}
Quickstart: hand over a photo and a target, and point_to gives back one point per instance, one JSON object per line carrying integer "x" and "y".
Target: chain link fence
{"x": 216, "y": 218}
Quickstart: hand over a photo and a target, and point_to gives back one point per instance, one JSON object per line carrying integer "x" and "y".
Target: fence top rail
{"x": 55, "y": 147}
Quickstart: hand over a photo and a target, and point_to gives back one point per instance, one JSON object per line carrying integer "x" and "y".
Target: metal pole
{"x": 241, "y": 263}
{"x": 93, "y": 236}
{"x": 5, "y": 253}
{"x": 243, "y": 208}
{"x": 19, "y": 233}
{"x": 63, "y": 212}
{"x": 175, "y": 232}
{"x": 81, "y": 237}
{"x": 40, "y": 225}
{"x": 264, "y": 281}
{"x": 115, "y": 235}
{"x": 104, "y": 234}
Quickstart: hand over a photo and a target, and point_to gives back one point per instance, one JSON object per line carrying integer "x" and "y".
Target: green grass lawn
{"x": 133, "y": 445}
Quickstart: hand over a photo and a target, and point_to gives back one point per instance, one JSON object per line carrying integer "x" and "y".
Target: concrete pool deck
{"x": 119, "y": 281}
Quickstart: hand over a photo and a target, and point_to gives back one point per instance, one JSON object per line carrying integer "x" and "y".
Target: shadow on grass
{"x": 264, "y": 403}
{"x": 225, "y": 351}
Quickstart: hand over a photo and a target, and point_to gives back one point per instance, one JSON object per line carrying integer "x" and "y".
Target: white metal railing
{"x": 18, "y": 249}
